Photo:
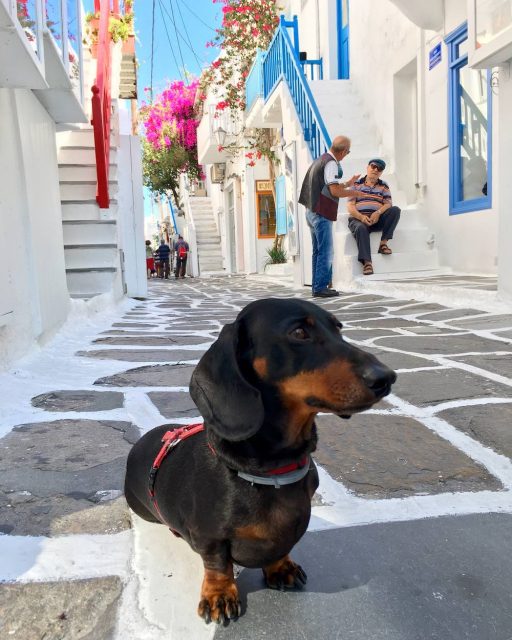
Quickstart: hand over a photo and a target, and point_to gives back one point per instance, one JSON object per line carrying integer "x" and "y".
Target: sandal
{"x": 385, "y": 250}
{"x": 368, "y": 269}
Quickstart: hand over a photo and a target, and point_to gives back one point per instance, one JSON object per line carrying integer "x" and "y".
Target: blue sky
{"x": 182, "y": 29}
{"x": 194, "y": 25}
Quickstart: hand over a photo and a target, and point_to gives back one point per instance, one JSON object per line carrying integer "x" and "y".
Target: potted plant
{"x": 120, "y": 28}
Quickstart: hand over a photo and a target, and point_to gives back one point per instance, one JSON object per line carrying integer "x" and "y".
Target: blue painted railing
{"x": 312, "y": 64}
{"x": 254, "y": 82}
{"x": 281, "y": 62}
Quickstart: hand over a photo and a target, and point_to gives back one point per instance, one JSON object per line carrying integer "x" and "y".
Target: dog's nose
{"x": 379, "y": 378}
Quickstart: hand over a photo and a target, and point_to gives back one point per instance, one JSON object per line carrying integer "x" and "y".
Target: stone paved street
{"x": 412, "y": 524}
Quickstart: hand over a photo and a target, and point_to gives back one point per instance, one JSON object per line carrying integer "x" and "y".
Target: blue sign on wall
{"x": 434, "y": 56}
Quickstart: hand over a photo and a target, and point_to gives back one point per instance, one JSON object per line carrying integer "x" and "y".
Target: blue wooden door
{"x": 343, "y": 40}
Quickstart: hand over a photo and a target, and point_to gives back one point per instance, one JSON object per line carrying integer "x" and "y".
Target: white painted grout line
{"x": 346, "y": 510}
{"x": 29, "y": 558}
{"x": 169, "y": 582}
{"x": 141, "y": 411}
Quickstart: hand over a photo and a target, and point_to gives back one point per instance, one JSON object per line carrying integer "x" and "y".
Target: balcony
{"x": 21, "y": 45}
{"x": 261, "y": 113}
{"x": 254, "y": 99}
{"x": 62, "y": 40}
{"x": 215, "y": 131}
{"x": 44, "y": 54}
{"x": 489, "y": 33}
{"x": 426, "y": 15}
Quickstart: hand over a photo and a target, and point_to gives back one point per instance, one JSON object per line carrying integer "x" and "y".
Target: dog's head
{"x": 283, "y": 356}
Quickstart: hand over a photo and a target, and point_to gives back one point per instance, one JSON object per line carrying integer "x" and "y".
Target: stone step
{"x": 82, "y": 155}
{"x": 89, "y": 232}
{"x": 210, "y": 241}
{"x": 408, "y": 240}
{"x": 83, "y": 190}
{"x": 76, "y": 137}
{"x": 207, "y": 235}
{"x": 83, "y": 172}
{"x": 210, "y": 266}
{"x": 83, "y": 256}
{"x": 209, "y": 255}
{"x": 208, "y": 223}
{"x": 346, "y": 267}
{"x": 83, "y": 281}
{"x": 87, "y": 210}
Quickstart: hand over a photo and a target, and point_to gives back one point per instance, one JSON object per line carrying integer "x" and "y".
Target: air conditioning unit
{"x": 218, "y": 172}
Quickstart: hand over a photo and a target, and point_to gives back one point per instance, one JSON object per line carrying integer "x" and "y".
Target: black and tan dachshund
{"x": 240, "y": 490}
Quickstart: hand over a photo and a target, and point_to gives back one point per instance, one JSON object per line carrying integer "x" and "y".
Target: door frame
{"x": 343, "y": 64}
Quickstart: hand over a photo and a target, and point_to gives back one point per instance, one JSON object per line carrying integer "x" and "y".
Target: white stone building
{"x": 426, "y": 86}
{"x": 56, "y": 243}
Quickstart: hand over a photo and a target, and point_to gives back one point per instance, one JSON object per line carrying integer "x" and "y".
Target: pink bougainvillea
{"x": 170, "y": 119}
{"x": 247, "y": 25}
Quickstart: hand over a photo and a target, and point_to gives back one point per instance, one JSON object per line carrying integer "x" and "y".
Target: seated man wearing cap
{"x": 372, "y": 210}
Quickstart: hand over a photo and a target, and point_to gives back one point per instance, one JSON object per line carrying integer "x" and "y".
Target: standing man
{"x": 372, "y": 210}
{"x": 163, "y": 253}
{"x": 181, "y": 250}
{"x": 321, "y": 190}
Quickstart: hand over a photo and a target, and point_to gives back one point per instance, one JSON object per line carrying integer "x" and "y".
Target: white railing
{"x": 59, "y": 20}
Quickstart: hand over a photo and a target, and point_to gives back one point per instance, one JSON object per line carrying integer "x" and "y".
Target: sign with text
{"x": 434, "y": 56}
{"x": 263, "y": 185}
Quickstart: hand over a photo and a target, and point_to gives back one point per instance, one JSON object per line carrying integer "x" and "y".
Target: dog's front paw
{"x": 219, "y": 599}
{"x": 285, "y": 574}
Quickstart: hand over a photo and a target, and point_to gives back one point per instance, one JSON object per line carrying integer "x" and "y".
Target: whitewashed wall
{"x": 317, "y": 31}
{"x": 32, "y": 263}
{"x": 131, "y": 214}
{"x": 503, "y": 184}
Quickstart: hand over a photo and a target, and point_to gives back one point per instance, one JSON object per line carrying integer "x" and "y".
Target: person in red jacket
{"x": 181, "y": 251}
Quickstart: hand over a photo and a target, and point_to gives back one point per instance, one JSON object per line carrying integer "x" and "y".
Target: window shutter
{"x": 281, "y": 206}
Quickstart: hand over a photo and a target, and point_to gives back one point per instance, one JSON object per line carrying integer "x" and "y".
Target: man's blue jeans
{"x": 323, "y": 251}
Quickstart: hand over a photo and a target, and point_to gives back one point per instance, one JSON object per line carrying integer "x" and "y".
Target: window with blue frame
{"x": 470, "y": 130}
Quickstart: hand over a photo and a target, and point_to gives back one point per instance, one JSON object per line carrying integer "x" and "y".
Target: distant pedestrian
{"x": 163, "y": 254}
{"x": 181, "y": 250}
{"x": 321, "y": 190}
{"x": 150, "y": 261}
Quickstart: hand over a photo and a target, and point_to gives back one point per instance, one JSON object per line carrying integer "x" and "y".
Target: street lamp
{"x": 220, "y": 134}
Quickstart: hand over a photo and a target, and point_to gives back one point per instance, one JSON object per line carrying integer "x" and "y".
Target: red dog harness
{"x": 287, "y": 474}
{"x": 170, "y": 440}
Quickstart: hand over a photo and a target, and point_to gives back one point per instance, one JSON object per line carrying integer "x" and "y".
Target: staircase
{"x": 209, "y": 251}
{"x": 92, "y": 257}
{"x": 128, "y": 80}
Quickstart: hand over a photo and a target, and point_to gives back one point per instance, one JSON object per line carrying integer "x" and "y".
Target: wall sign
{"x": 434, "y": 56}
{"x": 263, "y": 185}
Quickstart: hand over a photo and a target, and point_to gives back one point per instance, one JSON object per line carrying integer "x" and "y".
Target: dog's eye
{"x": 299, "y": 333}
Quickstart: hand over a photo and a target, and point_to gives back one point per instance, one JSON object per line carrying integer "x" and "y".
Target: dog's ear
{"x": 229, "y": 404}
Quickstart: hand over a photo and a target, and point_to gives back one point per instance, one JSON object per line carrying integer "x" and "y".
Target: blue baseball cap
{"x": 379, "y": 162}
